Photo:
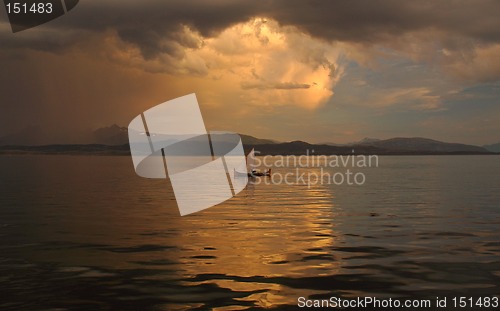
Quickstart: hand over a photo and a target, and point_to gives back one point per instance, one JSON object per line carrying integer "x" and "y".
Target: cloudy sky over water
{"x": 320, "y": 71}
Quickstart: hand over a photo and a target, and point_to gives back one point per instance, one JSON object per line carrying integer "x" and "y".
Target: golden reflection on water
{"x": 258, "y": 234}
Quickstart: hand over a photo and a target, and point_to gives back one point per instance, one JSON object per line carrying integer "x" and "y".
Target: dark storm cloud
{"x": 369, "y": 21}
{"x": 45, "y": 39}
{"x": 153, "y": 25}
{"x": 150, "y": 25}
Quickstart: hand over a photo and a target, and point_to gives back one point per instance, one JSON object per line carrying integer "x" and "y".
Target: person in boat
{"x": 254, "y": 173}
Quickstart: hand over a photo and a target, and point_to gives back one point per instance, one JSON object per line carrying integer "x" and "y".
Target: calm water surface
{"x": 84, "y": 232}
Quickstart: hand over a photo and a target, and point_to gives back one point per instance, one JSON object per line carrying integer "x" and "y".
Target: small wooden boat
{"x": 251, "y": 172}
{"x": 255, "y": 173}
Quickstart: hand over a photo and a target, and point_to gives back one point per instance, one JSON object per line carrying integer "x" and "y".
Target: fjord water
{"x": 84, "y": 232}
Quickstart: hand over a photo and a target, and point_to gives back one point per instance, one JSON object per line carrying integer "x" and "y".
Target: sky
{"x": 318, "y": 71}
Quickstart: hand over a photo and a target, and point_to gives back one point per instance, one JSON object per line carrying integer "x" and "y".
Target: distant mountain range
{"x": 492, "y": 148}
{"x": 393, "y": 146}
{"x": 114, "y": 140}
{"x": 417, "y": 144}
{"x": 111, "y": 135}
{"x": 116, "y": 135}
{"x": 365, "y": 140}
